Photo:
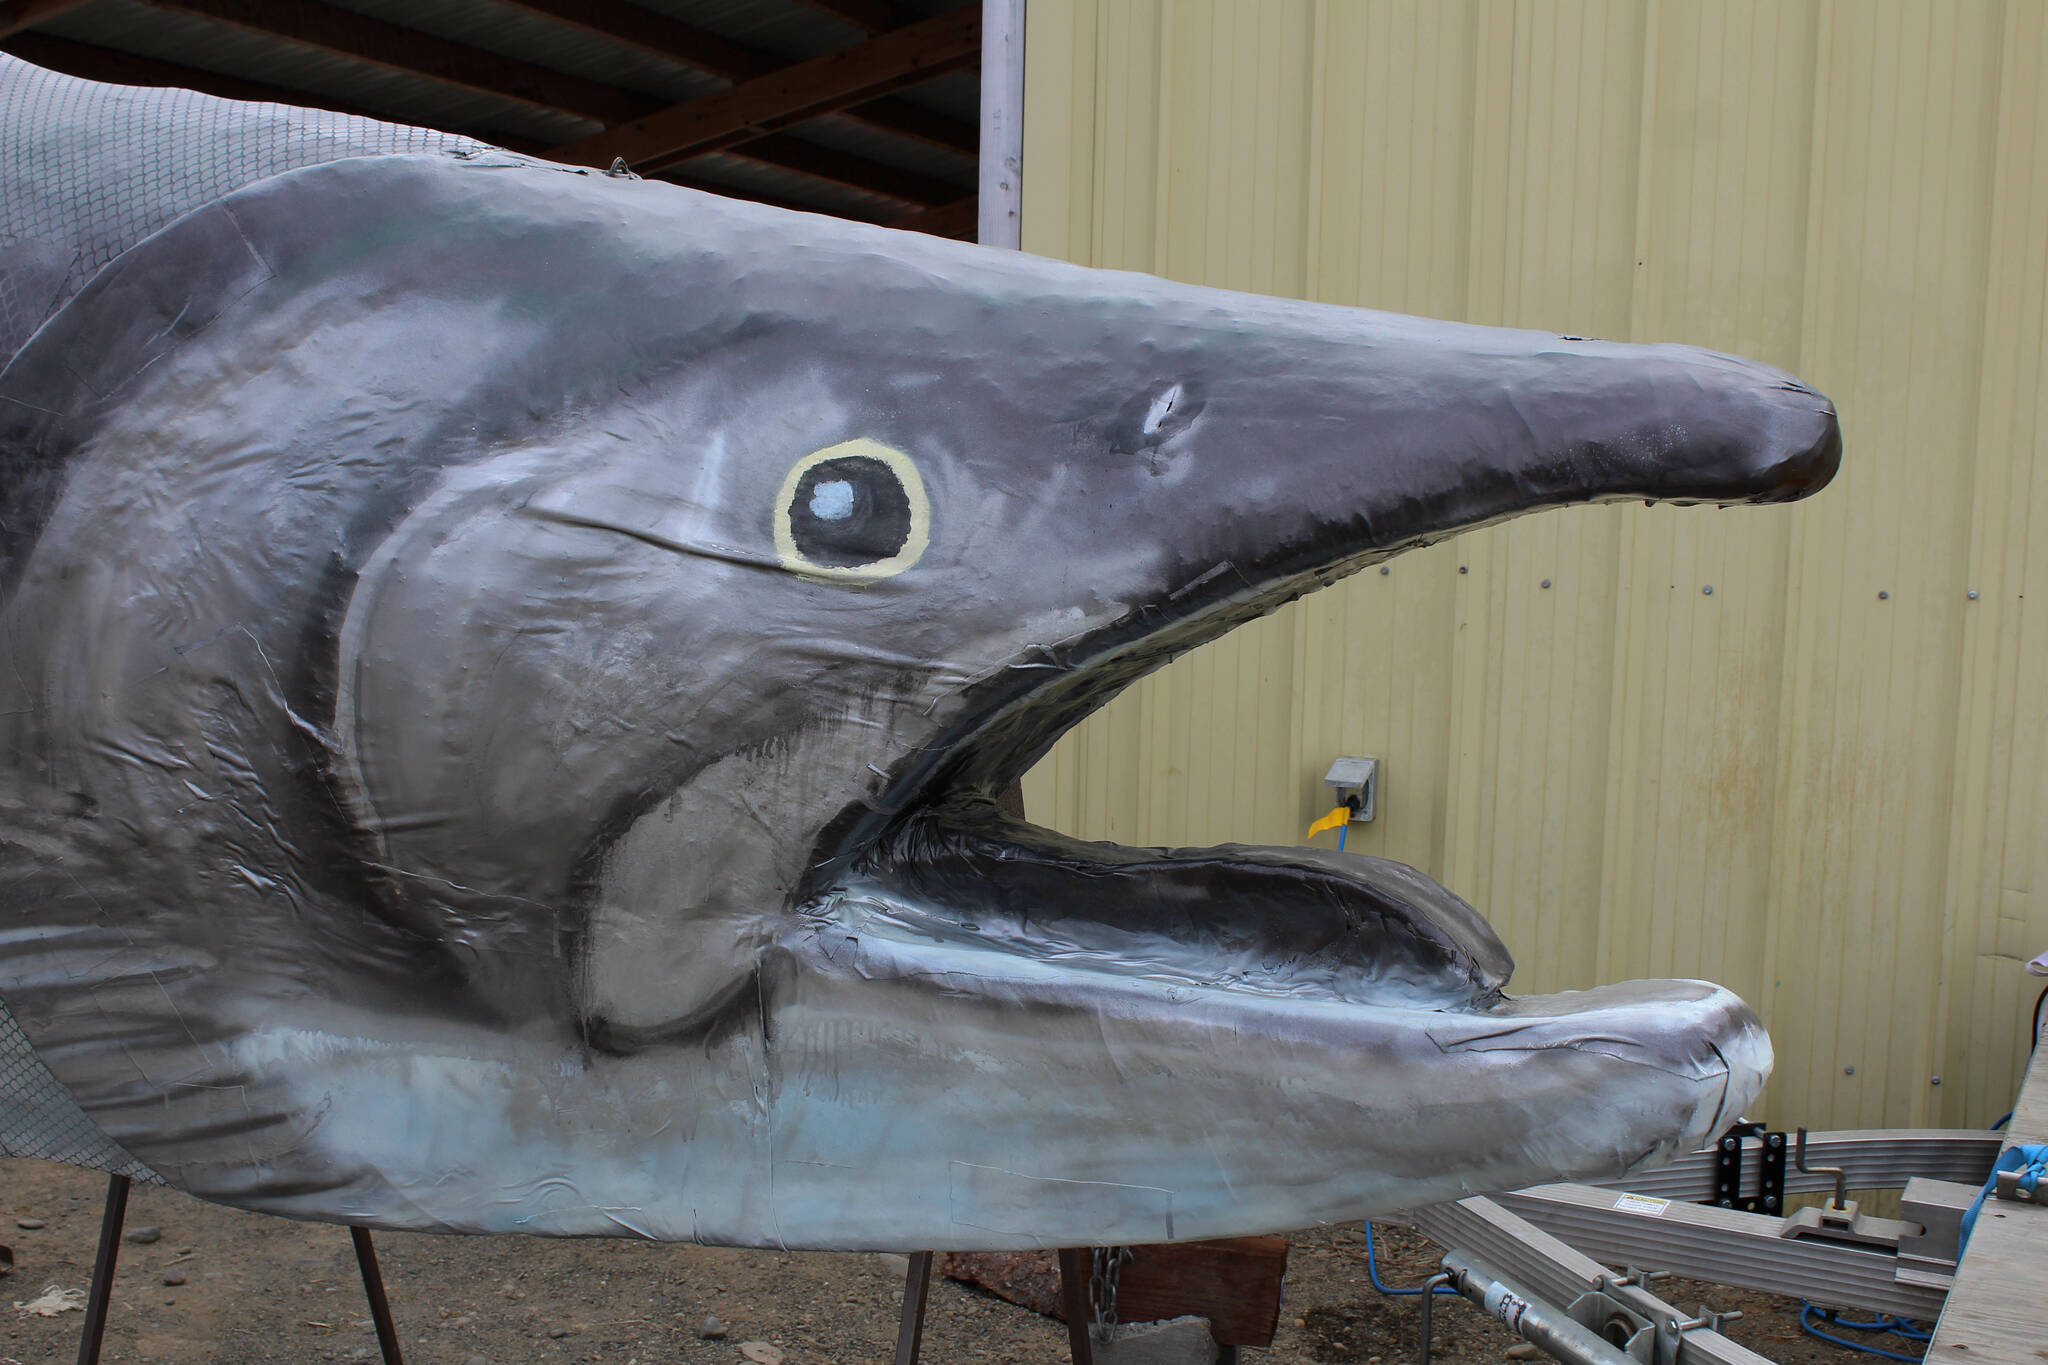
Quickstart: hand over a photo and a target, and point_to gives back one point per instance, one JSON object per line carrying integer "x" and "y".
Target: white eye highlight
{"x": 832, "y": 501}
{"x": 852, "y": 513}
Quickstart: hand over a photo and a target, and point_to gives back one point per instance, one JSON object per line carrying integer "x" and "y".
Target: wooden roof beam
{"x": 699, "y": 49}
{"x": 766, "y": 104}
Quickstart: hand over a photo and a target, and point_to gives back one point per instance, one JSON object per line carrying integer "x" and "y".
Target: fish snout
{"x": 1738, "y": 430}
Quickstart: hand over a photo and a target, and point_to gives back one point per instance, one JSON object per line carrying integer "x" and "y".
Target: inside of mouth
{"x": 1286, "y": 921}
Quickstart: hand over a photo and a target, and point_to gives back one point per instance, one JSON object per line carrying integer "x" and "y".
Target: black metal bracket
{"x": 1769, "y": 1195}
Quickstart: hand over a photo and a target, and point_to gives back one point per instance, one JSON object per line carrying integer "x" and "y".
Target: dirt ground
{"x": 215, "y": 1285}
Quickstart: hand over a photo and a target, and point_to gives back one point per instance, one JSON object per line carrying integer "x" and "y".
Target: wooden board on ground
{"x": 1997, "y": 1313}
{"x": 1234, "y": 1282}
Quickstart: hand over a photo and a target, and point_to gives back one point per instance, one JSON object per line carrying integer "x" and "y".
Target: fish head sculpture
{"x": 512, "y": 668}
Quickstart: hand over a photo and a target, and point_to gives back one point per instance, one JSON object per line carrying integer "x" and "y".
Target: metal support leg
{"x": 917, "y": 1288}
{"x": 1076, "y": 1264}
{"x": 1429, "y": 1287}
{"x": 373, "y": 1289}
{"x": 95, "y": 1329}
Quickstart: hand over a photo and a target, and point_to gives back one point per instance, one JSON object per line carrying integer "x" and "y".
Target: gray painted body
{"x": 509, "y": 667}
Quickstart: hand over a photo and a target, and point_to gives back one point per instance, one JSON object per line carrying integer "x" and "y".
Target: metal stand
{"x": 373, "y": 1289}
{"x": 917, "y": 1288}
{"x": 1075, "y": 1268}
{"x": 1429, "y": 1288}
{"x": 1076, "y": 1264}
{"x": 94, "y": 1334}
{"x": 95, "y": 1330}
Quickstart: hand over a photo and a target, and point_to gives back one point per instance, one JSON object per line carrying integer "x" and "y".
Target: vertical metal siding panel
{"x": 1392, "y": 130}
{"x": 1898, "y": 259}
{"x": 1468, "y": 824}
{"x": 1722, "y": 232}
{"x": 1565, "y": 236}
{"x": 1995, "y": 850}
{"x": 1627, "y": 775}
{"x": 1232, "y": 101}
{"x": 1059, "y": 127}
{"x": 1060, "y": 120}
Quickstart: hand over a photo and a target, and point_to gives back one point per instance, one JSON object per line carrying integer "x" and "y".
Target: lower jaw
{"x": 895, "y": 1094}
{"x": 1007, "y": 1103}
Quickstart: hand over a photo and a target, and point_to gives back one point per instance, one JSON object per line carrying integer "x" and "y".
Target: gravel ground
{"x": 214, "y": 1285}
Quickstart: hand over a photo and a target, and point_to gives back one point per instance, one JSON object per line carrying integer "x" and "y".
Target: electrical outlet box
{"x": 1356, "y": 782}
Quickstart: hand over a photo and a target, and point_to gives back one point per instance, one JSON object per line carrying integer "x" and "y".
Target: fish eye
{"x": 853, "y": 512}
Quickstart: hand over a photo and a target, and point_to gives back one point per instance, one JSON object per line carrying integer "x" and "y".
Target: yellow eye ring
{"x": 915, "y": 511}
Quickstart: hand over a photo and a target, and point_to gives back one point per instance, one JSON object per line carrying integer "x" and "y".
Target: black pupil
{"x": 848, "y": 512}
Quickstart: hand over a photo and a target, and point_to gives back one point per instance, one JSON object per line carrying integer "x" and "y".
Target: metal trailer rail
{"x": 1745, "y": 1250}
{"x": 1538, "y": 1268}
{"x": 1870, "y": 1158}
{"x": 1536, "y": 1255}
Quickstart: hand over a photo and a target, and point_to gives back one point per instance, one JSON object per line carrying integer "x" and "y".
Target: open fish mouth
{"x": 1151, "y": 1044}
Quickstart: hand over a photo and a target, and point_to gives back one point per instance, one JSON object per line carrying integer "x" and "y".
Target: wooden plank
{"x": 1997, "y": 1313}
{"x": 16, "y": 15}
{"x": 773, "y": 102}
{"x": 699, "y": 49}
{"x": 377, "y": 43}
{"x": 1234, "y": 1282}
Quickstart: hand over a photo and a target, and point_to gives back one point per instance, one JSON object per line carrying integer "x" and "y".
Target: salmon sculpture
{"x": 507, "y": 667}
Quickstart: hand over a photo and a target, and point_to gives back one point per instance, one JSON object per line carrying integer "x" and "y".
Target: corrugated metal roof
{"x": 513, "y": 32}
{"x": 188, "y": 40}
{"x": 790, "y": 30}
{"x": 873, "y": 174}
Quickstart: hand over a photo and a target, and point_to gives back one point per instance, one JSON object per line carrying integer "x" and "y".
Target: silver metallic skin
{"x": 509, "y": 666}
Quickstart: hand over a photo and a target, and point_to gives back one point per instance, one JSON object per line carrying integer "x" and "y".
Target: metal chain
{"x": 1102, "y": 1286}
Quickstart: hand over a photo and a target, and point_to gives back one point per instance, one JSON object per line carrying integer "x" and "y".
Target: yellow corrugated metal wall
{"x": 1823, "y": 784}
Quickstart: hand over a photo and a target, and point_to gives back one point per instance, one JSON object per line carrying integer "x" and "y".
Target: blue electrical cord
{"x": 1372, "y": 1260}
{"x": 1340, "y": 848}
{"x": 1883, "y": 1322}
{"x": 2001, "y": 1120}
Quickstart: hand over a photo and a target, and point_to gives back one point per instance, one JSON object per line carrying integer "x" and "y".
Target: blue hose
{"x": 1341, "y": 830}
{"x": 1372, "y": 1260}
{"x": 1883, "y": 1322}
